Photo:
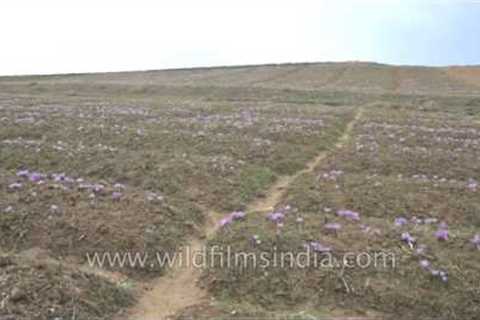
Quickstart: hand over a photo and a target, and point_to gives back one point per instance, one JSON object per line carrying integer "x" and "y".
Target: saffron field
{"x": 326, "y": 158}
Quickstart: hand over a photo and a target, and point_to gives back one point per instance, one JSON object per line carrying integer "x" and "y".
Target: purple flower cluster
{"x": 408, "y": 239}
{"x": 15, "y": 186}
{"x": 349, "y": 214}
{"x": 276, "y": 217}
{"x": 38, "y": 177}
{"x": 332, "y": 175}
{"x": 230, "y": 218}
{"x": 61, "y": 180}
{"x": 279, "y": 215}
{"x": 442, "y": 233}
{"x": 61, "y": 177}
{"x": 400, "y": 221}
{"x": 476, "y": 241}
{"x": 116, "y": 195}
{"x": 426, "y": 265}
{"x": 472, "y": 185}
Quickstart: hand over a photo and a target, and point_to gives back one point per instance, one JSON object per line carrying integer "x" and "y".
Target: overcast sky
{"x": 59, "y": 36}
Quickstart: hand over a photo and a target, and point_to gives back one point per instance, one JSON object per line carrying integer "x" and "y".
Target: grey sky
{"x": 56, "y": 36}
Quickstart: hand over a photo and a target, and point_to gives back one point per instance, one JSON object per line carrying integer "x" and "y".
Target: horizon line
{"x": 233, "y": 66}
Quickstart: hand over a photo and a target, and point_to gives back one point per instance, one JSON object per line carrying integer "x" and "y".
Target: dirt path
{"x": 172, "y": 292}
{"x": 278, "y": 189}
{"x": 178, "y": 289}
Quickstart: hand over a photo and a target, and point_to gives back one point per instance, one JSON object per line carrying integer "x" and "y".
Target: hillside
{"x": 329, "y": 158}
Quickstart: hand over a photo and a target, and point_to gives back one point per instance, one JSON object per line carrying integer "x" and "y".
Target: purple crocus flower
{"x": 22, "y": 173}
{"x": 117, "y": 195}
{"x": 15, "y": 186}
{"x": 440, "y": 274}
{"x": 237, "y": 215}
{"x": 400, "y": 221}
{"x": 58, "y": 177}
{"x": 425, "y": 264}
{"x": 97, "y": 188}
{"x": 349, "y": 214}
{"x": 476, "y": 240}
{"x": 119, "y": 186}
{"x": 225, "y": 221}
{"x": 407, "y": 237}
{"x": 275, "y": 216}
{"x": 442, "y": 234}
{"x": 35, "y": 176}
{"x": 472, "y": 185}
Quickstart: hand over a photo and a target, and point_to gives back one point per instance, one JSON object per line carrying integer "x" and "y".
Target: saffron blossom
{"x": 349, "y": 214}
{"x": 225, "y": 221}
{"x": 275, "y": 217}
{"x": 318, "y": 247}
{"x": 35, "y": 176}
{"x": 228, "y": 219}
{"x": 98, "y": 188}
{"x": 22, "y": 173}
{"x": 472, "y": 185}
{"x": 442, "y": 275}
{"x": 15, "y": 186}
{"x": 425, "y": 264}
{"x": 58, "y": 177}
{"x": 119, "y": 186}
{"x": 442, "y": 234}
{"x": 407, "y": 237}
{"x": 476, "y": 241}
{"x": 400, "y": 221}
{"x": 117, "y": 195}
{"x": 238, "y": 215}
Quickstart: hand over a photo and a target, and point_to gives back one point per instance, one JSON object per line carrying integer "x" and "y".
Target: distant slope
{"x": 349, "y": 76}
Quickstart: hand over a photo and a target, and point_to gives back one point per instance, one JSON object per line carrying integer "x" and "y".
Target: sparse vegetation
{"x": 142, "y": 162}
